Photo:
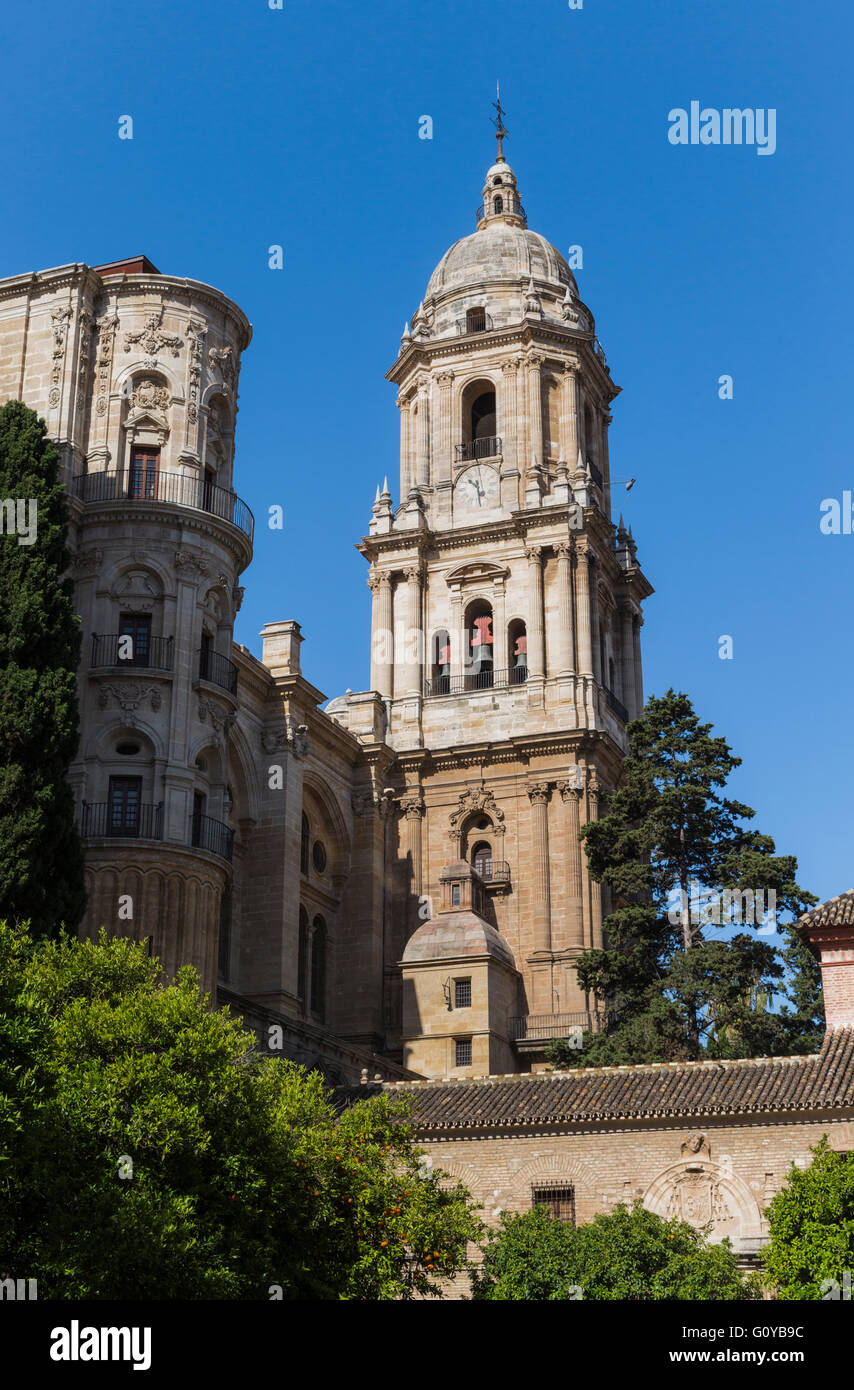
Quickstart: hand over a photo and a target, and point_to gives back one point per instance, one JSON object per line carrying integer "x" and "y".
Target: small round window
{"x": 318, "y": 856}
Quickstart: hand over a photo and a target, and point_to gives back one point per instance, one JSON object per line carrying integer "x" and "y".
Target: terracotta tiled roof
{"x": 822, "y": 1081}
{"x": 836, "y": 912}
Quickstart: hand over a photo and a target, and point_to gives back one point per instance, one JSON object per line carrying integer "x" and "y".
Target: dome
{"x": 455, "y": 934}
{"x": 500, "y": 251}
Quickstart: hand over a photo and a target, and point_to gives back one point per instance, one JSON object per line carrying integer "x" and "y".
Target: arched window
{"x": 551, "y": 418}
{"x": 318, "y": 968}
{"x": 517, "y": 642}
{"x": 481, "y": 858}
{"x": 302, "y": 958}
{"x": 305, "y": 839}
{"x": 498, "y": 204}
{"x": 483, "y": 416}
{"x": 475, "y": 320}
{"x": 440, "y": 661}
{"x": 480, "y": 646}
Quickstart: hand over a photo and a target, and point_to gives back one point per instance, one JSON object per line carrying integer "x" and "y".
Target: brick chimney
{"x": 829, "y": 929}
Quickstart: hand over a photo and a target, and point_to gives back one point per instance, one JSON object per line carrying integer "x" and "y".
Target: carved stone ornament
{"x": 87, "y": 561}
{"x": 476, "y": 799}
{"x": 224, "y": 359}
{"x": 151, "y": 339}
{"x": 696, "y": 1144}
{"x": 195, "y": 564}
{"x": 149, "y": 394}
{"x": 129, "y": 695}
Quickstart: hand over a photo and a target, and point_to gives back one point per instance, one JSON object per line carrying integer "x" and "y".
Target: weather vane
{"x": 498, "y": 122}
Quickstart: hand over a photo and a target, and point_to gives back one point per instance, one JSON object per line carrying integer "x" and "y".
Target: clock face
{"x": 477, "y": 488}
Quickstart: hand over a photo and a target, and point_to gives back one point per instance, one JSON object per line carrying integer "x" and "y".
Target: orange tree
{"x": 146, "y": 1151}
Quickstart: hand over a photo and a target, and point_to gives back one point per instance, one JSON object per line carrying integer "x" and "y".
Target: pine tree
{"x": 41, "y": 861}
{"x": 670, "y": 844}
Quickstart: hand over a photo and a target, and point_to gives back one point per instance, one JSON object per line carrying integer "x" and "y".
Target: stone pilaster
{"x": 582, "y": 610}
{"x": 539, "y": 794}
{"x": 382, "y": 634}
{"x": 627, "y": 660}
{"x": 535, "y": 406}
{"x": 569, "y": 415}
{"x": 571, "y": 793}
{"x": 535, "y": 623}
{"x": 422, "y": 467}
{"x": 413, "y": 637}
{"x": 562, "y": 659}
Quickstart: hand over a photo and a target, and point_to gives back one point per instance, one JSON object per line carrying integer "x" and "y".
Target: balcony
{"x": 476, "y": 680}
{"x": 213, "y": 835}
{"x": 478, "y": 321}
{"x": 494, "y": 871}
{"x": 179, "y": 489}
{"x": 218, "y": 670}
{"x": 104, "y": 819}
{"x": 488, "y": 448}
{"x": 535, "y": 1029}
{"x": 617, "y": 706}
{"x": 155, "y": 654}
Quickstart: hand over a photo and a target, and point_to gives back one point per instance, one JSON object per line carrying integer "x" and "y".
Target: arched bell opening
{"x": 480, "y": 647}
{"x": 440, "y": 663}
{"x": 517, "y": 652}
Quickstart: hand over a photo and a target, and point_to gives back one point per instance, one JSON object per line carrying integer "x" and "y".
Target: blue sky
{"x": 300, "y": 127}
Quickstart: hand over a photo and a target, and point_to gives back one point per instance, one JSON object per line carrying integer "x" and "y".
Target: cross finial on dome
{"x": 498, "y": 122}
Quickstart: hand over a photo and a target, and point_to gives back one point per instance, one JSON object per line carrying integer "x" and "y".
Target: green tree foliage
{"x": 41, "y": 860}
{"x": 626, "y": 1254}
{"x": 243, "y": 1178}
{"x": 679, "y": 988}
{"x": 811, "y": 1224}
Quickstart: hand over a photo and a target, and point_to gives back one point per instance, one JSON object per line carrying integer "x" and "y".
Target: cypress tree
{"x": 41, "y": 857}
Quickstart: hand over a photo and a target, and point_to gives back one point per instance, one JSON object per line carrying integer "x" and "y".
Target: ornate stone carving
{"x": 129, "y": 695}
{"x": 287, "y": 736}
{"x": 237, "y": 594}
{"x": 195, "y": 564}
{"x": 363, "y": 803}
{"x": 152, "y": 339}
{"x": 696, "y": 1144}
{"x": 60, "y": 319}
{"x": 412, "y": 805}
{"x": 476, "y": 799}
{"x": 86, "y": 561}
{"x": 538, "y": 792}
{"x": 104, "y": 361}
{"x": 86, "y": 325}
{"x": 149, "y": 394}
{"x": 224, "y": 359}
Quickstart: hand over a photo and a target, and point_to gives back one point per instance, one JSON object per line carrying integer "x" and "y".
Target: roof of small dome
{"x": 499, "y": 251}
{"x": 457, "y": 934}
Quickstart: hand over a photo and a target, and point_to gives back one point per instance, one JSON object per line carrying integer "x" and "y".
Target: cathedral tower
{"x": 505, "y": 628}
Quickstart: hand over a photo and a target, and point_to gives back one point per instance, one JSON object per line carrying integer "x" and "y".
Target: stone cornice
{"x": 159, "y": 513}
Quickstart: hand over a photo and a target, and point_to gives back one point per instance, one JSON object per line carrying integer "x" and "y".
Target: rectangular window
{"x": 144, "y": 468}
{"x": 124, "y": 798}
{"x": 462, "y": 994}
{"x": 200, "y": 802}
{"x": 137, "y": 626}
{"x": 560, "y": 1201}
{"x": 455, "y": 895}
{"x": 463, "y": 1052}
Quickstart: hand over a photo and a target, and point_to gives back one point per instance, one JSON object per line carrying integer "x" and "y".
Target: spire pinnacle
{"x": 498, "y": 121}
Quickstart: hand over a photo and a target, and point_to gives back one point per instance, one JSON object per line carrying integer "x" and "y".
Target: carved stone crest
{"x": 476, "y": 799}
{"x": 151, "y": 338}
{"x": 149, "y": 394}
{"x": 129, "y": 695}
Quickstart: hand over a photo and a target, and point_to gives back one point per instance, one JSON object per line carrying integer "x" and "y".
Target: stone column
{"x": 571, "y": 793}
{"x": 508, "y": 427}
{"x": 595, "y": 629}
{"x": 595, "y": 888}
{"x": 500, "y": 654}
{"x": 627, "y": 661}
{"x": 563, "y": 655}
{"x": 443, "y": 467}
{"x": 638, "y": 666}
{"x": 582, "y": 612}
{"x": 422, "y": 467}
{"x": 539, "y": 795}
{"x": 412, "y": 806}
{"x": 413, "y": 637}
{"x": 535, "y": 625}
{"x": 382, "y": 634}
{"x": 569, "y": 415}
{"x": 405, "y": 472}
{"x": 535, "y": 408}
{"x": 455, "y": 633}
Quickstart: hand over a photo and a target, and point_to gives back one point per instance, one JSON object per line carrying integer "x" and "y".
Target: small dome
{"x": 500, "y": 252}
{"x": 457, "y": 934}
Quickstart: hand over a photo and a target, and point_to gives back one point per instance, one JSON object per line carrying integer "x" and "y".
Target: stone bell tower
{"x": 506, "y": 609}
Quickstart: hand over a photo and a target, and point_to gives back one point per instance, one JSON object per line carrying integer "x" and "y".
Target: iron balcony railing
{"x": 509, "y": 202}
{"x": 101, "y": 819}
{"x": 600, "y": 353}
{"x": 477, "y": 322}
{"x": 151, "y": 654}
{"x": 212, "y": 835}
{"x": 218, "y": 670}
{"x": 183, "y": 490}
{"x": 544, "y": 1027}
{"x": 617, "y": 706}
{"x": 487, "y": 448}
{"x": 476, "y": 680}
{"x": 493, "y": 870}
